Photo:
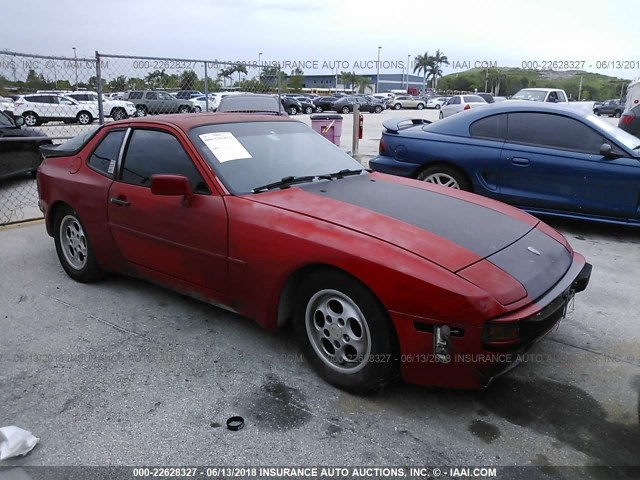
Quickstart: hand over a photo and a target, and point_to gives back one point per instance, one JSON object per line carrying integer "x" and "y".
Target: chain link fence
{"x": 49, "y": 99}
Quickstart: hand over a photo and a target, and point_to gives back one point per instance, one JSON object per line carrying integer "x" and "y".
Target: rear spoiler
{"x": 394, "y": 125}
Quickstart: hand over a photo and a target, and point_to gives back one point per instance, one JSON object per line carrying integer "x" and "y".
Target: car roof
{"x": 190, "y": 120}
{"x": 457, "y": 124}
{"x": 542, "y": 89}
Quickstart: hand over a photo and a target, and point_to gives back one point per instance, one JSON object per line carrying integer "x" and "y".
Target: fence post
{"x": 99, "y": 82}
{"x": 206, "y": 87}
{"x": 279, "y": 83}
{"x": 356, "y": 130}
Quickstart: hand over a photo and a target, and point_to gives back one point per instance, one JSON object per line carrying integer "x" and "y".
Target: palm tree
{"x": 239, "y": 68}
{"x": 423, "y": 63}
{"x": 434, "y": 73}
{"x": 440, "y": 59}
{"x": 349, "y": 78}
{"x": 363, "y": 84}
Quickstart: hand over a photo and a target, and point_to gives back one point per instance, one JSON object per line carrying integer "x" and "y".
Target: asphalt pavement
{"x": 122, "y": 372}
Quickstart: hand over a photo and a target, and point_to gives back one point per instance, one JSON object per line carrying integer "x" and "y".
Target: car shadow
{"x": 585, "y": 230}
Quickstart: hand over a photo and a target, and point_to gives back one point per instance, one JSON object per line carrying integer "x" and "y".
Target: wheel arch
{"x": 287, "y": 295}
{"x": 51, "y": 214}
{"x": 444, "y": 163}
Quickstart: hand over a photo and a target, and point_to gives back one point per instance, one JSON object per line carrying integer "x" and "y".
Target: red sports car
{"x": 381, "y": 276}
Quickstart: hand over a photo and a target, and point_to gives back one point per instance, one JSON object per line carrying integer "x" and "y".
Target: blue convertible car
{"x": 546, "y": 159}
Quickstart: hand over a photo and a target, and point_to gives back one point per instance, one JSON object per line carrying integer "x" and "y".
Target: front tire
{"x": 445, "y": 176}
{"x": 318, "y": 109}
{"x": 119, "y": 114}
{"x": 437, "y": 106}
{"x": 141, "y": 111}
{"x": 345, "y": 333}
{"x": 377, "y": 109}
{"x": 420, "y": 106}
{"x": 184, "y": 109}
{"x": 74, "y": 248}
{"x": 617, "y": 114}
{"x": 293, "y": 110}
{"x": 198, "y": 109}
{"x": 346, "y": 110}
{"x": 84, "y": 118}
{"x": 397, "y": 106}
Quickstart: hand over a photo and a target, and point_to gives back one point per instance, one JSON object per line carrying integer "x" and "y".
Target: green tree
{"x": 434, "y": 73}
{"x": 157, "y": 79}
{"x": 349, "y": 78}
{"x": 296, "y": 80}
{"x": 423, "y": 63}
{"x": 117, "y": 84}
{"x": 188, "y": 80}
{"x": 363, "y": 83}
{"x": 439, "y": 59}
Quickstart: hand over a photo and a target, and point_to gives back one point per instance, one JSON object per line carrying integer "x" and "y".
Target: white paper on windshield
{"x": 225, "y": 146}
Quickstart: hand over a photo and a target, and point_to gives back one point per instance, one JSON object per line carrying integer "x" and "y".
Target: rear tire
{"x": 345, "y": 333}
{"x": 617, "y": 114}
{"x": 397, "y": 106}
{"x": 318, "y": 109}
{"x": 346, "y": 110}
{"x": 437, "y": 106}
{"x": 31, "y": 119}
{"x": 420, "y": 106}
{"x": 74, "y": 247}
{"x": 293, "y": 110}
{"x": 141, "y": 111}
{"x": 377, "y": 109}
{"x": 445, "y": 176}
{"x": 184, "y": 109}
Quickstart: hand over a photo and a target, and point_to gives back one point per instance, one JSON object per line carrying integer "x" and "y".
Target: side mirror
{"x": 19, "y": 121}
{"x": 172, "y": 185}
{"x": 606, "y": 151}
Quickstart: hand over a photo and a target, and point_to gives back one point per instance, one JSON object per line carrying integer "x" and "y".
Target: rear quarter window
{"x": 104, "y": 157}
{"x": 493, "y": 127}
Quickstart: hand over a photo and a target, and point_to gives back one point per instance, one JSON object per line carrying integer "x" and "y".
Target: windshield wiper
{"x": 285, "y": 182}
{"x": 343, "y": 173}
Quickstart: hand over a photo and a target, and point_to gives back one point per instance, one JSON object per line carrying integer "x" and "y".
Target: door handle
{"x": 119, "y": 201}
{"x": 520, "y": 161}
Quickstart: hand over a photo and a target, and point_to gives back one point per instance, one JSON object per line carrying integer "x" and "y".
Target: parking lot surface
{"x": 122, "y": 372}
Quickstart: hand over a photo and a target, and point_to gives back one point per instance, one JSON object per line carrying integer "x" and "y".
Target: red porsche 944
{"x": 381, "y": 276}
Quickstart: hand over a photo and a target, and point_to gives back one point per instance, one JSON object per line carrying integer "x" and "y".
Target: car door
{"x": 67, "y": 108}
{"x": 166, "y": 103}
{"x": 551, "y": 161}
{"x": 454, "y": 105}
{"x": 153, "y": 102}
{"x": 164, "y": 234}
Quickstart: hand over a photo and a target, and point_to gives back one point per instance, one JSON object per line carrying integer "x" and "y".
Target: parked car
{"x": 291, "y": 105}
{"x": 298, "y": 232}
{"x": 613, "y": 108}
{"x": 406, "y": 101}
{"x": 254, "y": 103}
{"x": 6, "y": 105}
{"x": 436, "y": 102}
{"x": 116, "y": 109}
{"x": 200, "y": 103}
{"x": 345, "y": 105}
{"x": 19, "y": 157}
{"x": 551, "y": 95}
{"x": 188, "y": 94}
{"x": 324, "y": 103}
{"x": 499, "y": 99}
{"x": 486, "y": 96}
{"x": 153, "y": 102}
{"x": 543, "y": 158}
{"x": 306, "y": 104}
{"x": 40, "y": 108}
{"x": 630, "y": 121}
{"x": 459, "y": 103}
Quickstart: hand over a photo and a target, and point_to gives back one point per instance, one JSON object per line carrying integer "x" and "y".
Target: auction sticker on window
{"x": 225, "y": 146}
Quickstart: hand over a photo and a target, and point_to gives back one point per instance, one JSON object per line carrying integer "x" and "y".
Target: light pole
{"x": 260, "y": 66}
{"x": 76, "y": 62}
{"x": 408, "y": 57}
{"x": 259, "y": 58}
{"x": 378, "y": 70}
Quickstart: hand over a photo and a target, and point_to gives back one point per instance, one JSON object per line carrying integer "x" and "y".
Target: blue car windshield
{"x": 626, "y": 139}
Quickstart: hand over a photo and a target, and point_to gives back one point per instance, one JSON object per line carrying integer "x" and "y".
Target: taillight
{"x": 382, "y": 148}
{"x": 626, "y": 119}
{"x": 467, "y": 107}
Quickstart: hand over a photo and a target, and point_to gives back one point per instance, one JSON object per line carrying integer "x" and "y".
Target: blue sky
{"x": 505, "y": 32}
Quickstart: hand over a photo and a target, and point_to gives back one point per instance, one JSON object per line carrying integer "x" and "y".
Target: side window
{"x": 553, "y": 131}
{"x": 152, "y": 95}
{"x": 164, "y": 96}
{"x": 561, "y": 97}
{"x": 151, "y": 152}
{"x": 134, "y": 95}
{"x": 494, "y": 127}
{"x": 455, "y": 101}
{"x": 104, "y": 157}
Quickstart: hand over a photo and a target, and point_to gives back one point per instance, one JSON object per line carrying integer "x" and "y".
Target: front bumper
{"x": 473, "y": 362}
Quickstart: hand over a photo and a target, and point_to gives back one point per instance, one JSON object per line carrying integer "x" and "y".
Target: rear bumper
{"x": 473, "y": 362}
{"x": 385, "y": 164}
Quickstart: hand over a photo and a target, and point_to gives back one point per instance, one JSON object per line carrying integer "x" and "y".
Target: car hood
{"x": 450, "y": 228}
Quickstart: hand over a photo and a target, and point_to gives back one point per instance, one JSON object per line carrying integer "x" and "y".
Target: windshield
{"x": 533, "y": 95}
{"x": 619, "y": 135}
{"x": 252, "y": 154}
